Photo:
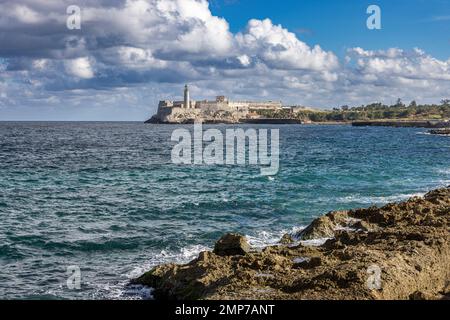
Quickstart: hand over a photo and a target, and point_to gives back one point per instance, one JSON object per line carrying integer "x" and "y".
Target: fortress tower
{"x": 187, "y": 99}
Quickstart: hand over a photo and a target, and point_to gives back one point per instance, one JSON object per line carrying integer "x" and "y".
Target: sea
{"x": 87, "y": 206}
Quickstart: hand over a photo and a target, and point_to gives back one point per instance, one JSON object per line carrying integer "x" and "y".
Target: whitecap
{"x": 182, "y": 256}
{"x": 141, "y": 291}
{"x": 379, "y": 199}
{"x": 269, "y": 238}
{"x": 134, "y": 292}
{"x": 443, "y": 171}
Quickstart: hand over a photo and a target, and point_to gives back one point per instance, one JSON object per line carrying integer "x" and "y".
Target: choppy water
{"x": 105, "y": 197}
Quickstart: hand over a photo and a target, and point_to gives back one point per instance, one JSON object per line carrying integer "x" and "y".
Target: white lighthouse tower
{"x": 187, "y": 99}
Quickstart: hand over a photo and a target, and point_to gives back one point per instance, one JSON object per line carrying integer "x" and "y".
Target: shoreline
{"x": 431, "y": 124}
{"x": 407, "y": 242}
{"x": 443, "y": 132}
{"x": 397, "y": 123}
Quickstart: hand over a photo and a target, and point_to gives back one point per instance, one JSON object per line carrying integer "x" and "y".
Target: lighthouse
{"x": 187, "y": 99}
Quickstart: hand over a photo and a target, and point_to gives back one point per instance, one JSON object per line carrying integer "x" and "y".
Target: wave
{"x": 443, "y": 171}
{"x": 257, "y": 240}
{"x": 269, "y": 238}
{"x": 9, "y": 252}
{"x": 134, "y": 292}
{"x": 184, "y": 255}
{"x": 378, "y": 199}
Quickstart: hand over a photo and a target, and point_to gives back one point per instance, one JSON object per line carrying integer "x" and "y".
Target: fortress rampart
{"x": 221, "y": 109}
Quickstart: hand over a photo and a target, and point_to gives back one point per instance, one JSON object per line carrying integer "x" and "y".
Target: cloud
{"x": 26, "y": 15}
{"x": 80, "y": 67}
{"x": 151, "y": 48}
{"x": 397, "y": 63}
{"x": 280, "y": 49}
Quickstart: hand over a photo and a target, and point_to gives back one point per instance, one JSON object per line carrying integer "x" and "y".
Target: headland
{"x": 222, "y": 110}
{"x": 404, "y": 123}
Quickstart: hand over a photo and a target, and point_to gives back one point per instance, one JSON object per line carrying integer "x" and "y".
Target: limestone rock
{"x": 397, "y": 252}
{"x": 420, "y": 295}
{"x": 322, "y": 227}
{"x": 232, "y": 244}
{"x": 286, "y": 239}
{"x": 325, "y": 227}
{"x": 440, "y": 131}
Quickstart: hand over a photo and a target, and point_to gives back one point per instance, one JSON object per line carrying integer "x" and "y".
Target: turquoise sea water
{"x": 105, "y": 196}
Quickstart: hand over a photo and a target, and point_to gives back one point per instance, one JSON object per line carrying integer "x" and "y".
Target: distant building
{"x": 221, "y": 103}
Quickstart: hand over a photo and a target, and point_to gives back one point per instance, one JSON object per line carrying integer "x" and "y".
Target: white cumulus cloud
{"x": 153, "y": 47}
{"x": 279, "y": 48}
{"x": 80, "y": 67}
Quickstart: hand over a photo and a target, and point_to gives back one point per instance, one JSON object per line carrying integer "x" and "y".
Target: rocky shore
{"x": 403, "y": 124}
{"x": 441, "y": 131}
{"x": 226, "y": 120}
{"x": 399, "y": 251}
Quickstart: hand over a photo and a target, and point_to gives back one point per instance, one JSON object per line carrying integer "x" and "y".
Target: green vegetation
{"x": 374, "y": 111}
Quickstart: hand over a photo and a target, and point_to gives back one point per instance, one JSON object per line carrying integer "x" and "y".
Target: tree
{"x": 445, "y": 102}
{"x": 399, "y": 103}
{"x": 413, "y": 104}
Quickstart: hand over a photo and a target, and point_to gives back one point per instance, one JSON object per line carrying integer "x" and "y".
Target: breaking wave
{"x": 378, "y": 199}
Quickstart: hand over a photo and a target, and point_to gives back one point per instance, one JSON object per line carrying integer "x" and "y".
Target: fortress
{"x": 220, "y": 110}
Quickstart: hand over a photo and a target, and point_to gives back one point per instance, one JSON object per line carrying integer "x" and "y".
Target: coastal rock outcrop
{"x": 232, "y": 244}
{"x": 325, "y": 226}
{"x": 398, "y": 251}
{"x": 440, "y": 131}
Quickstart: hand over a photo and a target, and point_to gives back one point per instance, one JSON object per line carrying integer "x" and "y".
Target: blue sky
{"x": 129, "y": 54}
{"x": 338, "y": 25}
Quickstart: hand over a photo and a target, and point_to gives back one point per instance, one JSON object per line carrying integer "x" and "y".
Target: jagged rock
{"x": 232, "y": 244}
{"x": 325, "y": 227}
{"x": 440, "y": 131}
{"x": 309, "y": 263}
{"x": 287, "y": 239}
{"x": 322, "y": 227}
{"x": 406, "y": 245}
{"x": 362, "y": 226}
{"x": 419, "y": 295}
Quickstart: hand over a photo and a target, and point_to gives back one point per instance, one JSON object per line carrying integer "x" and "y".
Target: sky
{"x": 129, "y": 54}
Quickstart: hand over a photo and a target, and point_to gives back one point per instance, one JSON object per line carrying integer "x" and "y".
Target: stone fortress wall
{"x": 220, "y": 109}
